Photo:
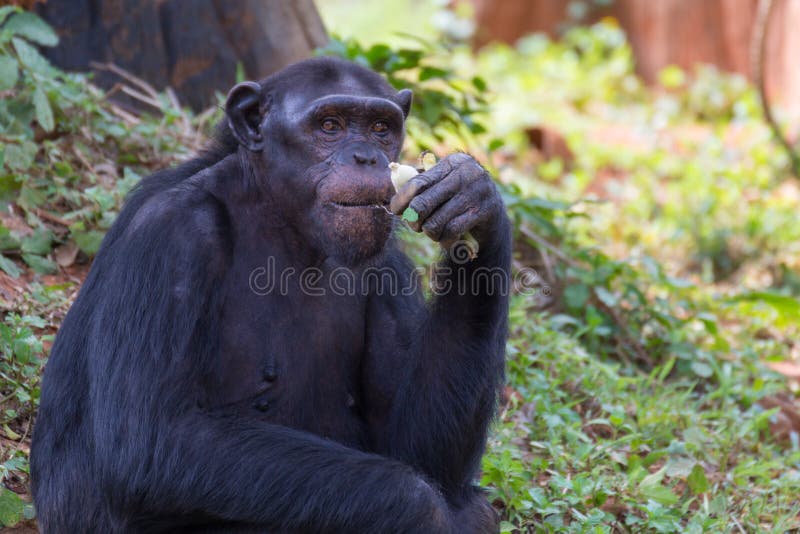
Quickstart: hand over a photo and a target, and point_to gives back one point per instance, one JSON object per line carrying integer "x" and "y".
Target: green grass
{"x": 590, "y": 446}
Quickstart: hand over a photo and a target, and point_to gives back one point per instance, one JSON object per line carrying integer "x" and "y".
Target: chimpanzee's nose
{"x": 366, "y": 154}
{"x": 364, "y": 158}
{"x": 360, "y": 153}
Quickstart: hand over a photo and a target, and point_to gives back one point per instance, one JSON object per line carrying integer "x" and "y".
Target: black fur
{"x": 176, "y": 399}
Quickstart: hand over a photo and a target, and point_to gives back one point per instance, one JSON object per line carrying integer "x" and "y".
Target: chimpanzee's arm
{"x": 160, "y": 458}
{"x": 434, "y": 374}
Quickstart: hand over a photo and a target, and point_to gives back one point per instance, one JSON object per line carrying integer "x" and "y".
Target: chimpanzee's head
{"x": 320, "y": 135}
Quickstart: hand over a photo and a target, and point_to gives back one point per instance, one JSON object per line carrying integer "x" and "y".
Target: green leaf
{"x": 496, "y": 143}
{"x": 16, "y": 463}
{"x": 697, "y": 480}
{"x": 39, "y": 242}
{"x": 30, "y": 197}
{"x": 606, "y": 297}
{"x": 479, "y": 83}
{"x": 7, "y": 241}
{"x": 507, "y": 527}
{"x": 9, "y": 186}
{"x": 660, "y": 494}
{"x": 702, "y": 369}
{"x": 31, "y": 27}
{"x": 9, "y": 74}
{"x": 410, "y": 215}
{"x": 40, "y": 264}
{"x": 427, "y": 73}
{"x": 5, "y": 11}
{"x": 378, "y": 54}
{"x": 35, "y": 321}
{"x": 44, "y": 114}
{"x": 11, "y": 507}
{"x": 718, "y": 505}
{"x": 680, "y": 466}
{"x": 409, "y": 58}
{"x": 709, "y": 320}
{"x": 10, "y": 433}
{"x": 26, "y": 347}
{"x": 20, "y": 157}
{"x": 9, "y": 267}
{"x": 88, "y": 242}
{"x": 653, "y": 479}
{"x": 576, "y": 295}
{"x": 787, "y": 307}
{"x": 30, "y": 57}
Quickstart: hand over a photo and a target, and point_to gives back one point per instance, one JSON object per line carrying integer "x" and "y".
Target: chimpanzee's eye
{"x": 380, "y": 127}
{"x": 330, "y": 125}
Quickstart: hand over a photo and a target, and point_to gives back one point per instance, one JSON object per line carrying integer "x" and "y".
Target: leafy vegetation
{"x": 638, "y": 398}
{"x": 662, "y": 228}
{"x": 67, "y": 158}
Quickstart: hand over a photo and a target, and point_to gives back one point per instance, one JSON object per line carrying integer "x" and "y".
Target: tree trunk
{"x": 667, "y": 32}
{"x": 193, "y": 46}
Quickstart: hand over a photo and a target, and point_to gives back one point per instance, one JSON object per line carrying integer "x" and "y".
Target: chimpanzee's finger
{"x": 458, "y": 226}
{"x": 413, "y": 187}
{"x": 425, "y": 180}
{"x": 427, "y": 202}
{"x": 468, "y": 201}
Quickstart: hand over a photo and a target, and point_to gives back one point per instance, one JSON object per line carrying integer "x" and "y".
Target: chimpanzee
{"x": 181, "y": 397}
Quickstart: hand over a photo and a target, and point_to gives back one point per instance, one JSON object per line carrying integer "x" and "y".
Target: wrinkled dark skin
{"x": 178, "y": 398}
{"x": 454, "y": 197}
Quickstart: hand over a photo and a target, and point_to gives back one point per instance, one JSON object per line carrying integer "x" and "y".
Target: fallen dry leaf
{"x": 65, "y": 254}
{"x": 786, "y": 368}
{"x": 787, "y": 420}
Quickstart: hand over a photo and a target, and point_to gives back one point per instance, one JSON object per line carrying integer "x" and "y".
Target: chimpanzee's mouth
{"x": 358, "y": 204}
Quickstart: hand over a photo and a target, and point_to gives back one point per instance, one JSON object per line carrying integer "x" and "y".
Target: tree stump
{"x": 193, "y": 46}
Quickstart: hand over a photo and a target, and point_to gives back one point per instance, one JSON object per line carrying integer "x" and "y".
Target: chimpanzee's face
{"x": 330, "y": 144}
{"x": 340, "y": 146}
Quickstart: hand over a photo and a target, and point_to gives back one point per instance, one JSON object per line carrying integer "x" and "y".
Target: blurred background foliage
{"x": 653, "y": 361}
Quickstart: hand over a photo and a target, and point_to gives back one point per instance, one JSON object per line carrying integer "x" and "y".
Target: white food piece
{"x": 428, "y": 160}
{"x": 401, "y": 174}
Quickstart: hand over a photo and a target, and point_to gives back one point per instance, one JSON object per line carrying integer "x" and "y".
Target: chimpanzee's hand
{"x": 452, "y": 198}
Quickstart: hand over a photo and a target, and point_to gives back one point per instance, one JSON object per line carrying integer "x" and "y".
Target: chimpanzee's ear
{"x": 245, "y": 108}
{"x": 403, "y": 99}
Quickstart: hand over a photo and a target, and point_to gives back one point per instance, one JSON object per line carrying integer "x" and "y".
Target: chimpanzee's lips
{"x": 360, "y": 204}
